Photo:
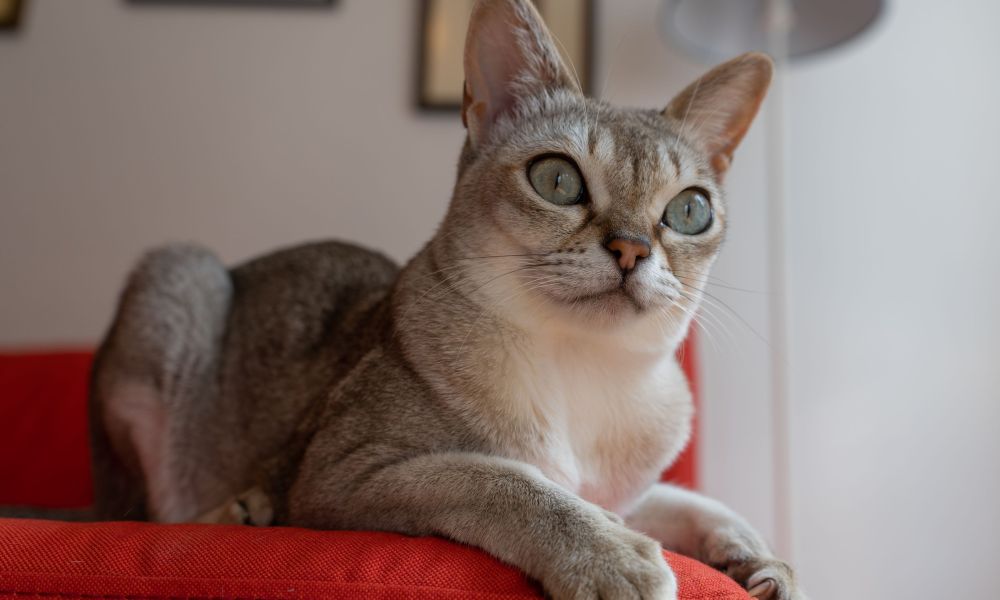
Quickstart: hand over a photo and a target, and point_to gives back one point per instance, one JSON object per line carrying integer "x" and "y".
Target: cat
{"x": 513, "y": 387}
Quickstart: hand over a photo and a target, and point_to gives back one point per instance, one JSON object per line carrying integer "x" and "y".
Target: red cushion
{"x": 133, "y": 560}
{"x": 44, "y": 452}
{"x": 684, "y": 471}
{"x": 44, "y": 461}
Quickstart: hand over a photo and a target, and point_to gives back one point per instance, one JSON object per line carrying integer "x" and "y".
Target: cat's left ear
{"x": 717, "y": 109}
{"x": 509, "y": 56}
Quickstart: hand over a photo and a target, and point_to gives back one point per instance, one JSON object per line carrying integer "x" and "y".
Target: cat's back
{"x": 308, "y": 300}
{"x": 317, "y": 269}
{"x": 300, "y": 319}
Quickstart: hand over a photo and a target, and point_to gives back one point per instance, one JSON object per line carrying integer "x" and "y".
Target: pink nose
{"x": 628, "y": 252}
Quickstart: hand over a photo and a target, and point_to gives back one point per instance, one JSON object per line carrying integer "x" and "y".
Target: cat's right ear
{"x": 718, "y": 108}
{"x": 509, "y": 55}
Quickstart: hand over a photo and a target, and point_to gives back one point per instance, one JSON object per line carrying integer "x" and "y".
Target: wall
{"x": 124, "y": 126}
{"x": 127, "y": 126}
{"x": 895, "y": 335}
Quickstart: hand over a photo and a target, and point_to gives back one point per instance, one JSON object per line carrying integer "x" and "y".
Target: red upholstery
{"x": 44, "y": 454}
{"x": 138, "y": 560}
{"x": 44, "y": 462}
{"x": 684, "y": 471}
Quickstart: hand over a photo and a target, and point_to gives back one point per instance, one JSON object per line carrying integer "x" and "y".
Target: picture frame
{"x": 10, "y": 14}
{"x": 261, "y": 3}
{"x": 442, "y": 26}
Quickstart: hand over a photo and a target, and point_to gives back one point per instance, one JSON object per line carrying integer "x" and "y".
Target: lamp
{"x": 713, "y": 30}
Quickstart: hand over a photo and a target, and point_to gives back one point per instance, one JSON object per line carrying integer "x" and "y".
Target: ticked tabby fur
{"x": 513, "y": 387}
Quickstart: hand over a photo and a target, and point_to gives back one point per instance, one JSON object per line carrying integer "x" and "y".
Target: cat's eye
{"x": 689, "y": 212}
{"x": 557, "y": 180}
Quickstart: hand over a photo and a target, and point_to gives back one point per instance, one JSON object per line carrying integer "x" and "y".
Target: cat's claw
{"x": 763, "y": 590}
{"x": 252, "y": 507}
{"x": 770, "y": 580}
{"x": 740, "y": 555}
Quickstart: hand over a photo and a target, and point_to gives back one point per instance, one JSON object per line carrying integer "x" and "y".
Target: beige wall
{"x": 124, "y": 126}
{"x": 895, "y": 332}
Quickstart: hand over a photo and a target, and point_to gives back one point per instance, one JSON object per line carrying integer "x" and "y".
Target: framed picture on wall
{"x": 265, "y": 3}
{"x": 10, "y": 14}
{"x": 441, "y": 38}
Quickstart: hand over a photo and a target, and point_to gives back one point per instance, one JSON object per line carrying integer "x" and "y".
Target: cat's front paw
{"x": 612, "y": 562}
{"x": 749, "y": 564}
{"x": 252, "y": 507}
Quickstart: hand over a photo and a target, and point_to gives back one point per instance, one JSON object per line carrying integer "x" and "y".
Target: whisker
{"x": 720, "y": 285}
{"x": 701, "y": 274}
{"x": 712, "y": 300}
{"x": 490, "y": 306}
{"x": 503, "y": 256}
{"x": 512, "y": 271}
{"x": 687, "y": 111}
{"x": 696, "y": 319}
{"x": 701, "y": 307}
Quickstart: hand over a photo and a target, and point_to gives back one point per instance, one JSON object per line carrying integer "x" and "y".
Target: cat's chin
{"x": 617, "y": 306}
{"x": 614, "y": 300}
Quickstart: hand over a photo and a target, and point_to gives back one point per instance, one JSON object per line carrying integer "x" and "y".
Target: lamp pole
{"x": 779, "y": 22}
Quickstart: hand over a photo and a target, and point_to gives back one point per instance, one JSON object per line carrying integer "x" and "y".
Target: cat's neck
{"x": 460, "y": 343}
{"x": 543, "y": 391}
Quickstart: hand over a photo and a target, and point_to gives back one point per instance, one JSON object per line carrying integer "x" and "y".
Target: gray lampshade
{"x": 718, "y": 29}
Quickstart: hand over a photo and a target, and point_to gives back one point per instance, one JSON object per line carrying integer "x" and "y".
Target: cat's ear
{"x": 717, "y": 109}
{"x": 509, "y": 55}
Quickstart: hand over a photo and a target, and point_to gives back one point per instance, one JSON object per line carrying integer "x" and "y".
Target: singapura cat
{"x": 513, "y": 387}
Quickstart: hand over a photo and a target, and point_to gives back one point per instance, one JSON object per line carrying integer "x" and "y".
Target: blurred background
{"x": 851, "y": 384}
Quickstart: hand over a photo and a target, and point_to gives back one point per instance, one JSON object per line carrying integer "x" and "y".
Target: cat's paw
{"x": 612, "y": 562}
{"x": 749, "y": 564}
{"x": 252, "y": 507}
{"x": 767, "y": 579}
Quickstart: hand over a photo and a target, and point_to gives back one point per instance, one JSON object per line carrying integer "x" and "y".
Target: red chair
{"x": 44, "y": 462}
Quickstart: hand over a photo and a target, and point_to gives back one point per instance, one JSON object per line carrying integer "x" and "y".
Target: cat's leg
{"x": 252, "y": 507}
{"x": 155, "y": 367}
{"x": 507, "y": 508}
{"x": 704, "y": 529}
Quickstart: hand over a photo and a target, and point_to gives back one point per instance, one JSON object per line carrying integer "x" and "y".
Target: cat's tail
{"x": 76, "y": 515}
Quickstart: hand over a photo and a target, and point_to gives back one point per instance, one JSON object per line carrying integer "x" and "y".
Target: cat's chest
{"x": 603, "y": 429}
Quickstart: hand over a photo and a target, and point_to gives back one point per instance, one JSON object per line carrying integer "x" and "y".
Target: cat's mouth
{"x": 613, "y": 299}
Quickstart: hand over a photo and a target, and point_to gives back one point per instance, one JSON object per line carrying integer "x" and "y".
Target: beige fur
{"x": 512, "y": 387}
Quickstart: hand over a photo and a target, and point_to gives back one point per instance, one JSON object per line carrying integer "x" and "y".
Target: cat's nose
{"x": 628, "y": 251}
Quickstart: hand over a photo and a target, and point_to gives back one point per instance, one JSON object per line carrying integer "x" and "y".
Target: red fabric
{"x": 138, "y": 560}
{"x": 44, "y": 461}
{"x": 684, "y": 471}
{"x": 44, "y": 451}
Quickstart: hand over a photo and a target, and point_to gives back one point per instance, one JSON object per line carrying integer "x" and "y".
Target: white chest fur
{"x": 608, "y": 420}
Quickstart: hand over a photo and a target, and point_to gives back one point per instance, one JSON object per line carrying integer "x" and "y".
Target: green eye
{"x": 556, "y": 180}
{"x": 689, "y": 212}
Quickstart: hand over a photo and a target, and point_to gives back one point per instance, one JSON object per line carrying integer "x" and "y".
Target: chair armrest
{"x": 143, "y": 560}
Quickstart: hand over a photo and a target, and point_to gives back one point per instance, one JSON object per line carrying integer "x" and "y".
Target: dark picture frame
{"x": 264, "y": 3}
{"x": 10, "y": 14}
{"x": 443, "y": 23}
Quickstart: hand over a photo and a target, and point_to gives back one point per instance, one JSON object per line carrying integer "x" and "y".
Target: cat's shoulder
{"x": 314, "y": 280}
{"x": 298, "y": 300}
{"x": 319, "y": 258}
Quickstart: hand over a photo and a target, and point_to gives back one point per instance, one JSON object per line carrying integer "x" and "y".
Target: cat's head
{"x": 572, "y": 211}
